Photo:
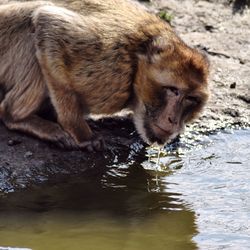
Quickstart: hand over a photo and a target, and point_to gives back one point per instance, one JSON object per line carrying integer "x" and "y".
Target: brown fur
{"x": 110, "y": 57}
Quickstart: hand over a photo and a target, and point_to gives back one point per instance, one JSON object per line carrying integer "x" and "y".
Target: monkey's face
{"x": 169, "y": 95}
{"x": 163, "y": 120}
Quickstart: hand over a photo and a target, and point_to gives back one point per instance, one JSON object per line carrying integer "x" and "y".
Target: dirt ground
{"x": 224, "y": 33}
{"x": 222, "y": 30}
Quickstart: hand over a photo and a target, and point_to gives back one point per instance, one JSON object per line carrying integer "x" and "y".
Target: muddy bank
{"x": 214, "y": 27}
{"x": 25, "y": 161}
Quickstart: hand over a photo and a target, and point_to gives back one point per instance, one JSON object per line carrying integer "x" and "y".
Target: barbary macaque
{"x": 112, "y": 56}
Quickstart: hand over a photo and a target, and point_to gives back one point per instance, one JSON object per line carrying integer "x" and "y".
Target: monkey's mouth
{"x": 160, "y": 135}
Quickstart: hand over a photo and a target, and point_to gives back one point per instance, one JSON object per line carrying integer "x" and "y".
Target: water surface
{"x": 197, "y": 199}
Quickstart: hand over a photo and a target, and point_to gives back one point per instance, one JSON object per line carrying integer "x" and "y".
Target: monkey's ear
{"x": 153, "y": 49}
{"x": 198, "y": 66}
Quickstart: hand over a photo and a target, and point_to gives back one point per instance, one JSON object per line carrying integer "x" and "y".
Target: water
{"x": 195, "y": 199}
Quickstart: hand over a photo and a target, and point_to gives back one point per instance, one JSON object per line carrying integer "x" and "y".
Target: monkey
{"x": 114, "y": 55}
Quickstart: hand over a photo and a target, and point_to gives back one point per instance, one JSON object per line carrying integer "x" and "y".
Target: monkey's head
{"x": 170, "y": 88}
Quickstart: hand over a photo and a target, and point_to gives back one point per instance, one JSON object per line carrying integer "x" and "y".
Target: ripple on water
{"x": 215, "y": 183}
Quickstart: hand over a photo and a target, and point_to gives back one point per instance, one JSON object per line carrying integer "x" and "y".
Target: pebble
{"x": 28, "y": 154}
{"x": 233, "y": 85}
{"x": 13, "y": 142}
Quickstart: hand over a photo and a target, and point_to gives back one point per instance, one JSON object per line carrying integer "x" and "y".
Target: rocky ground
{"x": 224, "y": 33}
{"x": 221, "y": 29}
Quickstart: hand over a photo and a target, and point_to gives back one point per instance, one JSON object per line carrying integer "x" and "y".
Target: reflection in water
{"x": 115, "y": 207}
{"x": 195, "y": 199}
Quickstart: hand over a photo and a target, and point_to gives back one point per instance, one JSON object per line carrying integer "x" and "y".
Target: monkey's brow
{"x": 165, "y": 79}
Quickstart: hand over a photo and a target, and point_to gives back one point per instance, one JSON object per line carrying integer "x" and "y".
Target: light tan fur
{"x": 113, "y": 55}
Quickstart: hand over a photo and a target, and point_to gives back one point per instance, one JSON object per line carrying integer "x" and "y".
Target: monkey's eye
{"x": 172, "y": 90}
{"x": 192, "y": 100}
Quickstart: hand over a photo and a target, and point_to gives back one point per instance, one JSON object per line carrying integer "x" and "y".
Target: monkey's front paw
{"x": 95, "y": 144}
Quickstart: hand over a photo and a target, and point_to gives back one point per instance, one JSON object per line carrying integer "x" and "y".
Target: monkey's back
{"x": 17, "y": 50}
{"x": 21, "y": 80}
{"x": 95, "y": 52}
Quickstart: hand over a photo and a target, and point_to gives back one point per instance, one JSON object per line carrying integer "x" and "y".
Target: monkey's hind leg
{"x": 17, "y": 111}
{"x": 43, "y": 129}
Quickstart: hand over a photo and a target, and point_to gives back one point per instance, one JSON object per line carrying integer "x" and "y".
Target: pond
{"x": 195, "y": 197}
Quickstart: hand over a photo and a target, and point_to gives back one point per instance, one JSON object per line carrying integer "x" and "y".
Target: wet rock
{"x": 28, "y": 154}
